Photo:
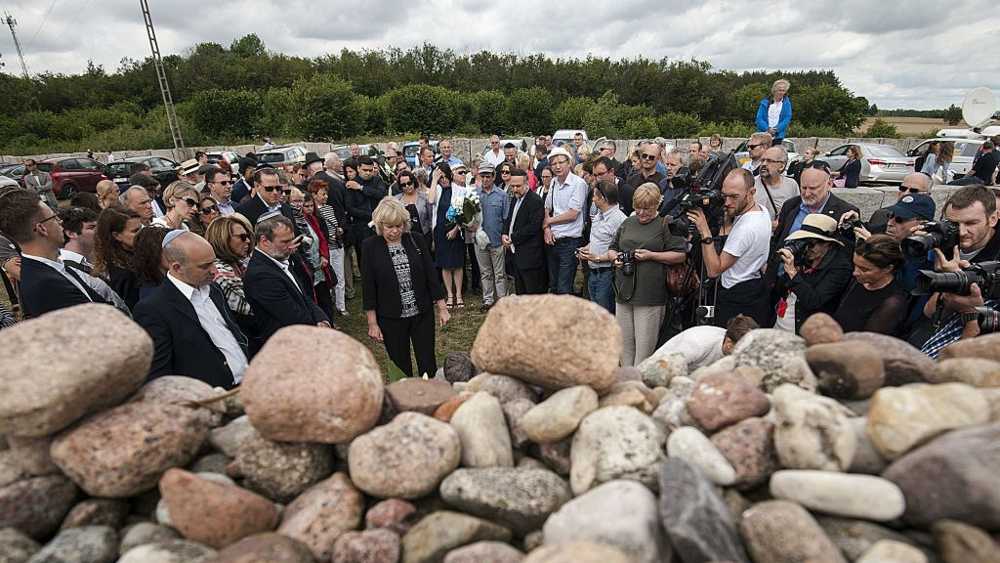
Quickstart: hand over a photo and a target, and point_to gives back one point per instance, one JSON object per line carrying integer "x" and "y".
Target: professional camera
{"x": 846, "y": 228}
{"x": 941, "y": 234}
{"x": 985, "y": 274}
{"x": 627, "y": 260}
{"x": 798, "y": 249}
{"x": 704, "y": 314}
{"x": 988, "y": 320}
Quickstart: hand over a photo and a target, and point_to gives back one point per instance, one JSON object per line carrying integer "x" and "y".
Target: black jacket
{"x": 275, "y": 300}
{"x": 818, "y": 291}
{"x": 527, "y": 238}
{"x": 360, "y": 205}
{"x": 180, "y": 345}
{"x": 43, "y": 289}
{"x": 241, "y": 191}
{"x": 254, "y": 207}
{"x": 381, "y": 286}
{"x": 835, "y": 207}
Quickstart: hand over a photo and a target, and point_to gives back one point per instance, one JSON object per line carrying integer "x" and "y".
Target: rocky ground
{"x": 536, "y": 448}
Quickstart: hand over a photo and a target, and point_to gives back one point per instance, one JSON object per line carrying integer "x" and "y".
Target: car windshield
{"x": 883, "y": 150}
{"x": 967, "y": 149}
{"x": 271, "y": 157}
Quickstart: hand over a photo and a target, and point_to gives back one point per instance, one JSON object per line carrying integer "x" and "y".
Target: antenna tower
{"x": 12, "y": 23}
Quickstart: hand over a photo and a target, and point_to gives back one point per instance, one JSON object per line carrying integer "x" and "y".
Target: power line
{"x": 45, "y": 18}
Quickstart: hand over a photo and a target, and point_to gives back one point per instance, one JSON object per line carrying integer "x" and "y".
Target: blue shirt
{"x": 805, "y": 210}
{"x": 495, "y": 204}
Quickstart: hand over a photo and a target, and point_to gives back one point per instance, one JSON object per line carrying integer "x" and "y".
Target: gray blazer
{"x": 424, "y": 210}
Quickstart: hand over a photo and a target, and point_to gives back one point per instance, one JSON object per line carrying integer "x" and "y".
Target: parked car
{"x": 73, "y": 174}
{"x": 742, "y": 153}
{"x": 564, "y": 136}
{"x": 961, "y": 161}
{"x": 229, "y": 156}
{"x": 410, "y": 149}
{"x": 283, "y": 155}
{"x": 163, "y": 169}
{"x": 6, "y": 169}
{"x": 879, "y": 163}
{"x": 5, "y": 181}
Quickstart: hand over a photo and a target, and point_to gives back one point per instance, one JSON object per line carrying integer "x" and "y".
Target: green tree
{"x": 420, "y": 108}
{"x": 248, "y": 46}
{"x": 492, "y": 114}
{"x": 572, "y": 112}
{"x": 277, "y": 115}
{"x": 327, "y": 108}
{"x": 675, "y": 125}
{"x": 226, "y": 113}
{"x": 881, "y": 129}
{"x": 954, "y": 114}
{"x": 531, "y": 110}
{"x": 641, "y": 128}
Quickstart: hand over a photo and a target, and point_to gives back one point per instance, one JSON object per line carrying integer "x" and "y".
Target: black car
{"x": 164, "y": 170}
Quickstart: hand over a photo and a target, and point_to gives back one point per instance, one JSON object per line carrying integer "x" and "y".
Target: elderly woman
{"x": 401, "y": 289}
{"x": 416, "y": 203}
{"x": 641, "y": 251}
{"x": 232, "y": 240}
{"x": 181, "y": 199}
{"x": 320, "y": 191}
{"x": 107, "y": 193}
{"x": 114, "y": 244}
{"x": 775, "y": 112}
{"x": 449, "y": 241}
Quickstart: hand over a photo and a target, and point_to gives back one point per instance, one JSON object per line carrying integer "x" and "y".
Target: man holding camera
{"x": 773, "y": 188}
{"x": 744, "y": 253}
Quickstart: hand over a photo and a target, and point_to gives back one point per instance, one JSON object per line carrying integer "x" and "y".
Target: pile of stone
{"x": 536, "y": 448}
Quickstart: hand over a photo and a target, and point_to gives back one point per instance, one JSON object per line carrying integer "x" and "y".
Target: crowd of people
{"x": 214, "y": 263}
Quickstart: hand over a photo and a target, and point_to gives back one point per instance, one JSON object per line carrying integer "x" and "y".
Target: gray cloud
{"x": 918, "y": 53}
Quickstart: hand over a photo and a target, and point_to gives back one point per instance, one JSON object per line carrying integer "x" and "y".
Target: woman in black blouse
{"x": 114, "y": 244}
{"x": 875, "y": 301}
{"x": 401, "y": 289}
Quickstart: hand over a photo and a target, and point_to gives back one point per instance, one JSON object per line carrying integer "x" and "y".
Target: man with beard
{"x": 774, "y": 189}
{"x": 744, "y": 252}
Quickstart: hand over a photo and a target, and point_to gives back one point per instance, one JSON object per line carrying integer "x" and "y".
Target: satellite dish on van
{"x": 978, "y": 107}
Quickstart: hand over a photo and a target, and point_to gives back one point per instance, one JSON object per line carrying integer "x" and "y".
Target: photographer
{"x": 875, "y": 301}
{"x": 816, "y": 272}
{"x": 744, "y": 252}
{"x": 641, "y": 249}
{"x": 962, "y": 319}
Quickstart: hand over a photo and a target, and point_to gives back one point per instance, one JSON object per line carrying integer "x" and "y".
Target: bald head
{"x": 190, "y": 259}
{"x": 815, "y": 186}
{"x": 916, "y": 182}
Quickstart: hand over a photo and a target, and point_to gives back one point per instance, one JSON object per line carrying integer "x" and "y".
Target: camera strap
{"x": 769, "y": 198}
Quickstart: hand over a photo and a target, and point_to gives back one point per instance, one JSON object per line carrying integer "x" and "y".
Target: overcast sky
{"x": 897, "y": 53}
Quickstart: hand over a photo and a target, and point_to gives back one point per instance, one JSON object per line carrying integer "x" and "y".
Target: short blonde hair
{"x": 179, "y": 189}
{"x": 779, "y": 83}
{"x": 523, "y": 161}
{"x": 389, "y": 213}
{"x": 646, "y": 196}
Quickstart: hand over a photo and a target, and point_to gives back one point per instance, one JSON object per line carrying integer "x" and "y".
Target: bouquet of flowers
{"x": 465, "y": 210}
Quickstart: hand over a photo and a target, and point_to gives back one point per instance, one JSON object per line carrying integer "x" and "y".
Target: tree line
{"x": 244, "y": 92}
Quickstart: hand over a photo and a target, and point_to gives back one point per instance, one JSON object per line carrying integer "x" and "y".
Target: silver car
{"x": 879, "y": 163}
{"x": 961, "y": 161}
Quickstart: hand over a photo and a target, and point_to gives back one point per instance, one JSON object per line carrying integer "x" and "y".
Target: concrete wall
{"x": 870, "y": 199}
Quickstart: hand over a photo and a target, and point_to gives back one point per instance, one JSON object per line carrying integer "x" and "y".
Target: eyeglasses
{"x": 486, "y": 175}
{"x": 505, "y": 172}
{"x": 56, "y": 217}
{"x": 209, "y": 210}
{"x": 286, "y": 192}
{"x": 752, "y": 147}
{"x": 649, "y": 157}
{"x": 911, "y": 189}
{"x": 406, "y": 185}
{"x": 462, "y": 172}
{"x": 770, "y": 161}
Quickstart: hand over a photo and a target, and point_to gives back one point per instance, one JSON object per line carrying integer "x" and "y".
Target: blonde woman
{"x": 774, "y": 113}
{"x": 181, "y": 199}
{"x": 107, "y": 193}
{"x": 401, "y": 289}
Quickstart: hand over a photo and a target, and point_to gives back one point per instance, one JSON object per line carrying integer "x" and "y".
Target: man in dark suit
{"x": 267, "y": 184}
{"x": 523, "y": 235}
{"x": 815, "y": 197}
{"x": 278, "y": 295}
{"x": 46, "y": 283}
{"x": 241, "y": 189}
{"x": 187, "y": 317}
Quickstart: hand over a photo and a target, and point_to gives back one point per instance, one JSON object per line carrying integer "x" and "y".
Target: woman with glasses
{"x": 114, "y": 244}
{"x": 208, "y": 211}
{"x": 181, "y": 199}
{"x": 231, "y": 239}
{"x": 875, "y": 301}
{"x": 416, "y": 203}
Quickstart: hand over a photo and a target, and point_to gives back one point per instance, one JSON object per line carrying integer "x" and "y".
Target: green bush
{"x": 675, "y": 125}
{"x": 881, "y": 129}
{"x": 377, "y": 113}
{"x": 226, "y": 113}
{"x": 419, "y": 107}
{"x": 531, "y": 110}
{"x": 809, "y": 130}
{"x": 572, "y": 113}
{"x": 491, "y": 112}
{"x": 277, "y": 116}
{"x": 641, "y": 128}
{"x": 327, "y": 108}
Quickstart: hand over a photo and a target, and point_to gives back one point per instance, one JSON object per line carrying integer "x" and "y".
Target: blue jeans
{"x": 599, "y": 285}
{"x": 562, "y": 264}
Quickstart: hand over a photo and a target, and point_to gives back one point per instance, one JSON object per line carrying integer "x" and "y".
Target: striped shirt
{"x": 950, "y": 332}
{"x": 328, "y": 215}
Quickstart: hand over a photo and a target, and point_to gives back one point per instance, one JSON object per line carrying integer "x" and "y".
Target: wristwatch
{"x": 969, "y": 317}
{"x": 707, "y": 240}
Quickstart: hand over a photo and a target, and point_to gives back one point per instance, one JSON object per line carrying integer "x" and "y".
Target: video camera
{"x": 703, "y": 191}
{"x": 985, "y": 274}
{"x": 941, "y": 234}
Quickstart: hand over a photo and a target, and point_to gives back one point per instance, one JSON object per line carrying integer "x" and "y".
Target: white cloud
{"x": 918, "y": 53}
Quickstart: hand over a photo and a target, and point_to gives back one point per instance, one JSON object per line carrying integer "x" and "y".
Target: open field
{"x": 914, "y": 126}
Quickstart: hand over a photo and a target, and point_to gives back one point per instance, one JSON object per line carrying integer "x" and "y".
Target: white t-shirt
{"x": 700, "y": 345}
{"x": 749, "y": 242}
{"x": 785, "y": 191}
{"x": 774, "y": 113}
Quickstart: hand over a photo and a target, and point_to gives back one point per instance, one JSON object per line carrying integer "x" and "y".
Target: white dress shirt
{"x": 211, "y": 320}
{"x": 58, "y": 266}
{"x": 70, "y": 256}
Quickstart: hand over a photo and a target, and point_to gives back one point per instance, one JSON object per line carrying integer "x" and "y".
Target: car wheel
{"x": 67, "y": 191}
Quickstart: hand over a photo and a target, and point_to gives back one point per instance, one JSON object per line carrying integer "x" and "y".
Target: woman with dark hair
{"x": 314, "y": 247}
{"x": 231, "y": 239}
{"x": 147, "y": 259}
{"x": 939, "y": 161}
{"x": 875, "y": 301}
{"x": 208, "y": 211}
{"x": 114, "y": 244}
{"x": 850, "y": 173}
{"x": 449, "y": 241}
{"x": 415, "y": 201}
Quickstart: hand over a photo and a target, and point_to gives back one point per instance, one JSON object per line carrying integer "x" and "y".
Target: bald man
{"x": 915, "y": 183}
{"x": 193, "y": 332}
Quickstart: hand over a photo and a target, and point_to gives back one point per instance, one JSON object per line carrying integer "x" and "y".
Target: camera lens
{"x": 988, "y": 320}
{"x": 917, "y": 246}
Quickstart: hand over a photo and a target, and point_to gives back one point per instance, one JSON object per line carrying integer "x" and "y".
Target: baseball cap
{"x": 485, "y": 167}
{"x": 914, "y": 206}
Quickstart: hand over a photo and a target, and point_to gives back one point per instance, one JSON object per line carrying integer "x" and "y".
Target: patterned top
{"x": 949, "y": 333}
{"x": 6, "y": 316}
{"x": 401, "y": 263}
{"x": 230, "y": 279}
{"x": 328, "y": 215}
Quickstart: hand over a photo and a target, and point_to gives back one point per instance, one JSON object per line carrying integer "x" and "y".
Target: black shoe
{"x": 485, "y": 307}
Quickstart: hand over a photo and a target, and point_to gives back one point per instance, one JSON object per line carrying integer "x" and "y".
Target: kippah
{"x": 269, "y": 215}
{"x": 171, "y": 236}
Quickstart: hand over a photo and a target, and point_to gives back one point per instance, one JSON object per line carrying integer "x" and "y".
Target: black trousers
{"x": 324, "y": 299}
{"x": 399, "y": 333}
{"x": 530, "y": 282}
{"x": 745, "y": 298}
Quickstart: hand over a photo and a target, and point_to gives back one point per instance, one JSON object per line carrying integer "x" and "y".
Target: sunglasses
{"x": 191, "y": 202}
{"x": 911, "y": 189}
{"x": 270, "y": 189}
{"x": 225, "y": 183}
{"x": 209, "y": 210}
{"x": 407, "y": 184}
{"x": 752, "y": 147}
{"x": 462, "y": 172}
{"x": 648, "y": 157}
{"x": 507, "y": 172}
{"x": 243, "y": 237}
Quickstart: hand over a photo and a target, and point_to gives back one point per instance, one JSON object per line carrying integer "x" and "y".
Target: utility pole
{"x": 161, "y": 76}
{"x": 12, "y": 23}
